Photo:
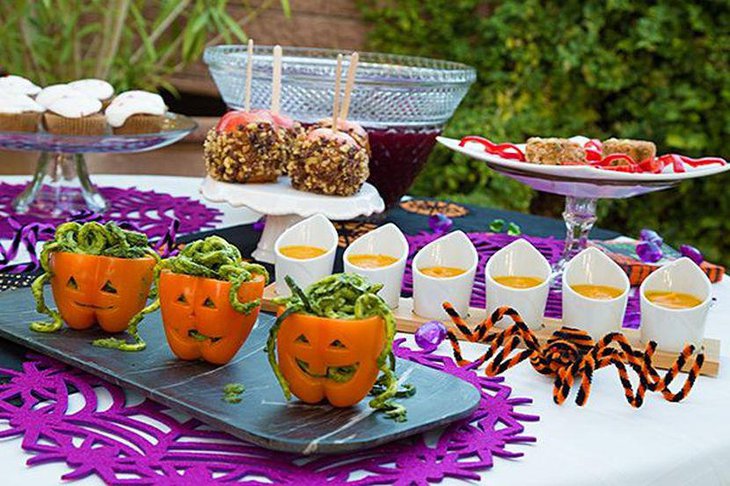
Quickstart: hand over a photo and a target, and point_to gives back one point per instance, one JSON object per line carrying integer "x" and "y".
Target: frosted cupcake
{"x": 96, "y": 88}
{"x": 50, "y": 94}
{"x": 135, "y": 112}
{"x": 18, "y": 85}
{"x": 19, "y": 113}
{"x": 75, "y": 115}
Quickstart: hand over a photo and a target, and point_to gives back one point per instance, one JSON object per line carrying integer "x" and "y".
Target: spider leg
{"x": 663, "y": 385}
{"x": 564, "y": 380}
{"x": 587, "y": 367}
{"x": 483, "y": 328}
{"x": 619, "y": 359}
{"x": 515, "y": 332}
{"x": 496, "y": 340}
{"x": 498, "y": 365}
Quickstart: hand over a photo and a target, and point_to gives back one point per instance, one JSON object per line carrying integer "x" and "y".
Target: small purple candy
{"x": 649, "y": 251}
{"x": 692, "y": 253}
{"x": 440, "y": 223}
{"x": 652, "y": 236}
{"x": 260, "y": 224}
{"x": 430, "y": 335}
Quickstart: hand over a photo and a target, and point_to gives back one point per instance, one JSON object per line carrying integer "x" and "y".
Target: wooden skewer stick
{"x": 354, "y": 58}
{"x": 249, "y": 75}
{"x": 336, "y": 103}
{"x": 276, "y": 82}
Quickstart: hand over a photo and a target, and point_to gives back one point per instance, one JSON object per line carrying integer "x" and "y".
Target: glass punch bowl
{"x": 402, "y": 101}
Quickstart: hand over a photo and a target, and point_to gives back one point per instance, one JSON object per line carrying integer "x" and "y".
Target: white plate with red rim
{"x": 585, "y": 173}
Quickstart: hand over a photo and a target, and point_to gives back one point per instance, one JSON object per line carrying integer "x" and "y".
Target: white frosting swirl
{"x": 18, "y": 85}
{"x": 75, "y": 106}
{"x": 133, "y": 103}
{"x": 18, "y": 103}
{"x": 51, "y": 93}
{"x": 96, "y": 88}
{"x": 150, "y": 98}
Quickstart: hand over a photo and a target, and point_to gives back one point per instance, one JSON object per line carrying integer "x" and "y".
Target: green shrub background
{"x": 649, "y": 70}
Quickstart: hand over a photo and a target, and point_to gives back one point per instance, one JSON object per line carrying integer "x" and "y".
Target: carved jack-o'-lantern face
{"x": 199, "y": 319}
{"x": 330, "y": 358}
{"x": 91, "y": 289}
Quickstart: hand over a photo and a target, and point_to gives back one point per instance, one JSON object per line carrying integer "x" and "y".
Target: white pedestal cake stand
{"x": 284, "y": 206}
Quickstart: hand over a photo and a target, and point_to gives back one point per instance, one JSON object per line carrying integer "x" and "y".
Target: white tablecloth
{"x": 607, "y": 442}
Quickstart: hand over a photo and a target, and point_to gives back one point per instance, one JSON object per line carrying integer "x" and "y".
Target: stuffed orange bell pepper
{"x": 332, "y": 341}
{"x": 99, "y": 274}
{"x": 209, "y": 299}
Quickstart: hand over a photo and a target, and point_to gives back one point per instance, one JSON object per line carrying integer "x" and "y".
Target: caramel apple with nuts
{"x": 251, "y": 146}
{"x": 329, "y": 161}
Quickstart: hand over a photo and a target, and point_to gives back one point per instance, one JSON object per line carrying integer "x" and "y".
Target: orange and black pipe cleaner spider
{"x": 571, "y": 354}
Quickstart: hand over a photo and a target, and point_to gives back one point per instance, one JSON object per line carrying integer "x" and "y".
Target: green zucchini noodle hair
{"x": 213, "y": 258}
{"x": 345, "y": 296}
{"x": 86, "y": 239}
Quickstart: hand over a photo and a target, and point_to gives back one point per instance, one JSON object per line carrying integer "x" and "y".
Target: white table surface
{"x": 607, "y": 442}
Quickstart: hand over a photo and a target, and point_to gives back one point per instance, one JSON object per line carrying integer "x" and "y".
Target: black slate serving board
{"x": 263, "y": 417}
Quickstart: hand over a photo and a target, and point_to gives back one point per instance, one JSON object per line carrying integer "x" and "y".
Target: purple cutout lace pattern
{"x": 152, "y": 212}
{"x": 145, "y": 443}
{"x": 489, "y": 243}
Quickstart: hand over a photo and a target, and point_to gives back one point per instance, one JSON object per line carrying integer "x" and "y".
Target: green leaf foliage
{"x": 655, "y": 70}
{"x": 131, "y": 43}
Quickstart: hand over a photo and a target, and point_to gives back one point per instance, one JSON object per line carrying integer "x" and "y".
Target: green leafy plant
{"x": 130, "y": 43}
{"x": 651, "y": 70}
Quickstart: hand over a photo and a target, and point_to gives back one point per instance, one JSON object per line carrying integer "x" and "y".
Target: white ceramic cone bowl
{"x": 672, "y": 329}
{"x": 386, "y": 240}
{"x": 520, "y": 259}
{"x": 598, "y": 317}
{"x": 314, "y": 231}
{"x": 429, "y": 293}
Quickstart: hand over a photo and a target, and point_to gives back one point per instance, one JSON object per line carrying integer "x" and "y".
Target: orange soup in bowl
{"x": 598, "y": 292}
{"x": 672, "y": 300}
{"x": 367, "y": 260}
{"x": 442, "y": 272}
{"x": 518, "y": 282}
{"x": 302, "y": 252}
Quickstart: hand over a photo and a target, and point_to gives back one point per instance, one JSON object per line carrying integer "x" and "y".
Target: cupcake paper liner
{"x": 87, "y": 125}
{"x": 137, "y": 124}
{"x": 20, "y": 122}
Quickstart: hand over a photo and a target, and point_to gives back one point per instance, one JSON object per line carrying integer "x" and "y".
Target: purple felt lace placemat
{"x": 489, "y": 243}
{"x": 150, "y": 211}
{"x": 145, "y": 443}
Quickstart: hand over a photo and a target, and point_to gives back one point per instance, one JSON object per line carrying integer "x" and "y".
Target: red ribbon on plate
{"x": 594, "y": 156}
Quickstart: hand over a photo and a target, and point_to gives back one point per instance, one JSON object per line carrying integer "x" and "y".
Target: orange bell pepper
{"x": 91, "y": 289}
{"x": 200, "y": 322}
{"x": 336, "y": 359}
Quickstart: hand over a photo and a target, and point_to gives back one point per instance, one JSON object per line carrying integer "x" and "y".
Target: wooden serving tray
{"x": 408, "y": 321}
{"x": 263, "y": 416}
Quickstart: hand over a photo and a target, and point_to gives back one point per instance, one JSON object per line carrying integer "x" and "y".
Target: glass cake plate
{"x": 61, "y": 183}
{"x": 582, "y": 186}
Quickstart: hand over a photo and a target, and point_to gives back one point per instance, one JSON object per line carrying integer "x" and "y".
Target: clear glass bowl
{"x": 390, "y": 90}
{"x": 402, "y": 101}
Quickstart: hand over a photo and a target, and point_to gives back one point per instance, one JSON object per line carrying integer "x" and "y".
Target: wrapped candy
{"x": 430, "y": 335}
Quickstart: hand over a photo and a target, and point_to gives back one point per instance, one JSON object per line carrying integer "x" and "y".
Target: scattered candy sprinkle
{"x": 649, "y": 251}
{"x": 440, "y": 223}
{"x": 651, "y": 235}
{"x": 692, "y": 253}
